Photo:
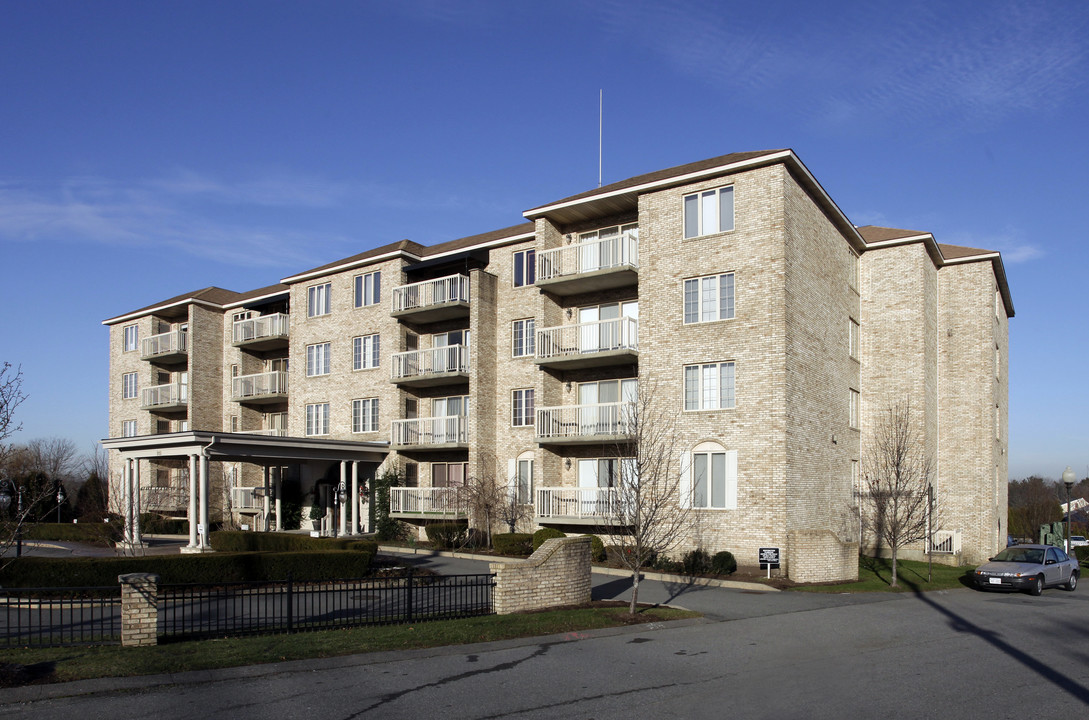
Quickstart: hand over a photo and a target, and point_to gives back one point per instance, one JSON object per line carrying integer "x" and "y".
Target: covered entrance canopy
{"x": 199, "y": 447}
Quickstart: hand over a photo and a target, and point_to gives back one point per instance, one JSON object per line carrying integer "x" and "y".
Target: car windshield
{"x": 1020, "y": 555}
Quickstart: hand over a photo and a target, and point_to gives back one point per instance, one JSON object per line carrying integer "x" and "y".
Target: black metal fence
{"x": 248, "y": 608}
{"x": 60, "y": 616}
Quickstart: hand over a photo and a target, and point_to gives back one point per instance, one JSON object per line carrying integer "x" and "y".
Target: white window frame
{"x": 704, "y": 296}
{"x": 525, "y": 265}
{"x": 318, "y": 300}
{"x": 854, "y": 274}
{"x": 854, "y": 338}
{"x": 724, "y": 497}
{"x": 128, "y": 428}
{"x": 368, "y": 289}
{"x": 317, "y": 359}
{"x": 131, "y": 339}
{"x": 366, "y": 352}
{"x": 522, "y": 408}
{"x": 854, "y": 404}
{"x": 714, "y": 386}
{"x": 520, "y": 471}
{"x": 526, "y": 328}
{"x": 365, "y": 415}
{"x": 702, "y": 212}
{"x": 317, "y": 419}
{"x": 130, "y": 386}
{"x": 462, "y": 471}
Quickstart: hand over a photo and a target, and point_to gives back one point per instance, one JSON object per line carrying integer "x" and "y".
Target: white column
{"x": 264, "y": 508}
{"x": 279, "y": 492}
{"x": 193, "y": 518}
{"x": 126, "y": 496}
{"x": 354, "y": 498}
{"x": 343, "y": 495}
{"x": 204, "y": 501}
{"x": 136, "y": 539}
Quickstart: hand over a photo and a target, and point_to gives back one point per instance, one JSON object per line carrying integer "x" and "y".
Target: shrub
{"x": 597, "y": 549}
{"x": 615, "y": 557}
{"x": 723, "y": 563}
{"x": 97, "y": 533}
{"x": 513, "y": 543}
{"x": 668, "y": 565}
{"x": 241, "y": 541}
{"x": 154, "y": 524}
{"x": 543, "y": 534}
{"x": 696, "y": 562}
{"x": 446, "y": 535}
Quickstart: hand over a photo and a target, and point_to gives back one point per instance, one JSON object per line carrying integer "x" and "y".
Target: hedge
{"x": 543, "y": 534}
{"x": 207, "y": 568}
{"x": 513, "y": 543}
{"x": 74, "y": 532}
{"x": 241, "y": 541}
{"x": 447, "y": 535}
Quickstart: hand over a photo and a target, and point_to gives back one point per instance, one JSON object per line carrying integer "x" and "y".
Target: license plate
{"x": 994, "y": 581}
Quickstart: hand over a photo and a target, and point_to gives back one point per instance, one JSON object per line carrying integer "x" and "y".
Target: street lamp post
{"x": 60, "y": 499}
{"x": 1068, "y": 481}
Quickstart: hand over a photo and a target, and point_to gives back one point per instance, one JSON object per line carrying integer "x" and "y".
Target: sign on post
{"x": 769, "y": 558}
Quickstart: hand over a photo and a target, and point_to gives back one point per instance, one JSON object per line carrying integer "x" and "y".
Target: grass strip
{"x": 875, "y": 575}
{"x": 21, "y": 666}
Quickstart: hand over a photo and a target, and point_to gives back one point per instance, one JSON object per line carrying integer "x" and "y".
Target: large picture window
{"x": 365, "y": 415}
{"x": 317, "y": 359}
{"x": 317, "y": 300}
{"x": 709, "y": 387}
{"x": 709, "y": 298}
{"x": 368, "y": 289}
{"x": 709, "y": 480}
{"x": 365, "y": 352}
{"x": 317, "y": 419}
{"x": 708, "y": 212}
{"x": 132, "y": 335}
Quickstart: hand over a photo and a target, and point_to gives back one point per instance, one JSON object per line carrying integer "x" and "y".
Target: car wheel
{"x": 1072, "y": 582}
{"x": 1037, "y": 586}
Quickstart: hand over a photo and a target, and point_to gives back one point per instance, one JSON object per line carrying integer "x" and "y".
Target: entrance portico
{"x": 199, "y": 448}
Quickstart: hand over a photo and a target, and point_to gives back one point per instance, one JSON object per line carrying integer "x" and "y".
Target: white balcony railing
{"x": 588, "y": 338}
{"x": 159, "y": 395}
{"x": 247, "y": 498}
{"x": 167, "y": 343}
{"x": 266, "y": 432}
{"x": 577, "y": 503}
{"x": 429, "y": 501}
{"x": 260, "y": 384}
{"x": 436, "y": 361}
{"x": 615, "y": 252}
{"x": 575, "y": 421}
{"x": 431, "y": 293}
{"x": 430, "y": 431}
{"x": 275, "y": 325}
{"x": 947, "y": 542}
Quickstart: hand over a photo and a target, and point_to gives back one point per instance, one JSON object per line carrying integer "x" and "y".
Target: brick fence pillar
{"x": 139, "y": 609}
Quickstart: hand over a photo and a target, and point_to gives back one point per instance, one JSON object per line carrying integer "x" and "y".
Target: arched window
{"x": 520, "y": 474}
{"x": 709, "y": 478}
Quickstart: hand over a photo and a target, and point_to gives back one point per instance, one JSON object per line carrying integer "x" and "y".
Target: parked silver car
{"x": 1028, "y": 567}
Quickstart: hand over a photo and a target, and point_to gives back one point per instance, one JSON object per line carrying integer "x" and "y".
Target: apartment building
{"x": 773, "y": 330}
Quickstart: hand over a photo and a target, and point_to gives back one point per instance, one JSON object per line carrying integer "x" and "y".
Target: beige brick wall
{"x": 558, "y": 573}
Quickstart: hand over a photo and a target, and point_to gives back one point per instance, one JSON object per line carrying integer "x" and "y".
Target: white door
{"x": 588, "y": 331}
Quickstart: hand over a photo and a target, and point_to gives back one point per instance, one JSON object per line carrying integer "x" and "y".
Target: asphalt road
{"x": 953, "y": 654}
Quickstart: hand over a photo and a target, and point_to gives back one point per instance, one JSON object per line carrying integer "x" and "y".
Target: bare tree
{"x": 1033, "y": 501}
{"x": 96, "y": 462}
{"x": 11, "y": 397}
{"x": 54, "y": 457}
{"x": 644, "y": 513}
{"x": 897, "y": 479}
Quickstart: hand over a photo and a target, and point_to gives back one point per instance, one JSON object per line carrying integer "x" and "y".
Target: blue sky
{"x": 152, "y": 148}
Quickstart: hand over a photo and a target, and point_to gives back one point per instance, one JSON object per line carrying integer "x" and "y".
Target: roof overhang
{"x": 243, "y": 447}
{"x": 169, "y": 310}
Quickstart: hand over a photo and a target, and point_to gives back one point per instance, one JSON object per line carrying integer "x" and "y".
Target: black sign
{"x": 769, "y": 558}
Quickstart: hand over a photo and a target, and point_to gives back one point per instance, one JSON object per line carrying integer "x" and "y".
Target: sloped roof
{"x": 210, "y": 295}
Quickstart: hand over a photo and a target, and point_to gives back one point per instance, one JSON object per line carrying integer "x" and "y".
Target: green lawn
{"x": 875, "y": 574}
{"x": 76, "y": 663}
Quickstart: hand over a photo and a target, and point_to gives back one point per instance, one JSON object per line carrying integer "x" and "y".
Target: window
{"x": 244, "y": 315}
{"x": 997, "y": 364}
{"x": 709, "y": 387}
{"x": 710, "y": 480}
{"x": 448, "y": 474}
{"x": 711, "y": 211}
{"x": 852, "y": 270}
{"x": 364, "y": 352}
{"x": 852, "y": 340}
{"x": 709, "y": 298}
{"x": 412, "y": 474}
{"x": 365, "y": 415}
{"x": 128, "y": 428}
{"x": 521, "y": 478}
{"x": 854, "y": 409}
{"x": 317, "y": 419}
{"x": 234, "y": 423}
{"x": 450, "y": 406}
{"x": 523, "y": 334}
{"x": 132, "y": 335}
{"x": 997, "y": 422}
{"x": 129, "y": 386}
{"x": 525, "y": 270}
{"x": 998, "y": 304}
{"x": 317, "y": 359}
{"x": 856, "y": 481}
{"x": 368, "y": 289}
{"x": 522, "y": 408}
{"x": 317, "y": 300}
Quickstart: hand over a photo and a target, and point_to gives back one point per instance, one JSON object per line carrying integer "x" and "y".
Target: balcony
{"x": 433, "y": 433}
{"x": 280, "y": 432}
{"x": 166, "y": 348}
{"x": 432, "y": 300}
{"x": 260, "y": 389}
{"x": 584, "y": 424}
{"x": 596, "y": 265}
{"x": 173, "y": 397}
{"x": 590, "y": 344}
{"x": 165, "y": 498}
{"x": 266, "y": 332}
{"x": 424, "y": 503}
{"x": 427, "y": 368}
{"x": 578, "y": 506}
{"x": 248, "y": 500}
